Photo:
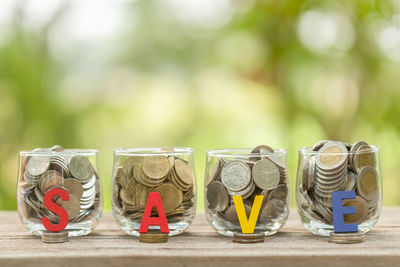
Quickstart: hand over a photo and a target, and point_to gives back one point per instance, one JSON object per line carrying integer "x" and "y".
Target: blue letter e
{"x": 338, "y": 211}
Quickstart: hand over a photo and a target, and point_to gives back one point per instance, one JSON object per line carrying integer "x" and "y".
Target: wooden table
{"x": 200, "y": 246}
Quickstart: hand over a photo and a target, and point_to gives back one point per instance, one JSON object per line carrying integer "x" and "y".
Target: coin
{"x": 71, "y": 206}
{"x": 183, "y": 171}
{"x": 74, "y": 187}
{"x": 346, "y": 238}
{"x": 248, "y": 238}
{"x": 266, "y": 174}
{"x": 215, "y": 172}
{"x": 235, "y": 175}
{"x": 364, "y": 156}
{"x": 171, "y": 197}
{"x": 217, "y": 196}
{"x": 331, "y": 156}
{"x": 280, "y": 192}
{"x": 231, "y": 214}
{"x": 361, "y": 210}
{"x": 80, "y": 168}
{"x": 272, "y": 210}
{"x": 50, "y": 179}
{"x": 367, "y": 183}
{"x": 319, "y": 145}
{"x": 153, "y": 236}
{"x": 57, "y": 148}
{"x": 54, "y": 237}
{"x": 37, "y": 165}
{"x": 156, "y": 167}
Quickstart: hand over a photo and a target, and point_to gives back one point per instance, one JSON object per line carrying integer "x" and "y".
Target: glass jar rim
{"x": 307, "y": 150}
{"x": 66, "y": 152}
{"x": 241, "y": 152}
{"x": 152, "y": 151}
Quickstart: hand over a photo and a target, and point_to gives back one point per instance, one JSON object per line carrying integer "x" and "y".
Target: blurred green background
{"x": 199, "y": 73}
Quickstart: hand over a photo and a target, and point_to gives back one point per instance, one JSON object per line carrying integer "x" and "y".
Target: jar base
{"x": 324, "y": 229}
{"x": 74, "y": 229}
{"x": 132, "y": 228}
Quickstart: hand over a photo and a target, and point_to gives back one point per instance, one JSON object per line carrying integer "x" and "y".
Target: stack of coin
{"x": 335, "y": 166}
{"x": 54, "y": 237}
{"x": 248, "y": 238}
{"x": 346, "y": 238}
{"x": 137, "y": 176}
{"x": 262, "y": 172}
{"x": 153, "y": 236}
{"x": 55, "y": 167}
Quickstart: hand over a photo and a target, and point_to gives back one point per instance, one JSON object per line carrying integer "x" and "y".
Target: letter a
{"x": 154, "y": 200}
{"x": 247, "y": 225}
{"x": 60, "y": 211}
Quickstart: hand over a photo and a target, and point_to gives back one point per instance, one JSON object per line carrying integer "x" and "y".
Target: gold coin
{"x": 153, "y": 236}
{"x": 127, "y": 198}
{"x": 155, "y": 167}
{"x": 367, "y": 183}
{"x": 361, "y": 210}
{"x": 331, "y": 156}
{"x": 364, "y": 157}
{"x": 171, "y": 197}
{"x": 183, "y": 171}
{"x": 129, "y": 163}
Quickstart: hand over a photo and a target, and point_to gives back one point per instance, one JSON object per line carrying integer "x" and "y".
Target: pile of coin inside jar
{"x": 55, "y": 167}
{"x": 261, "y": 173}
{"x": 171, "y": 176}
{"x": 336, "y": 166}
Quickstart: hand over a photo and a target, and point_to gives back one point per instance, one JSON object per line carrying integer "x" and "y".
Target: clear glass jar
{"x": 247, "y": 173}
{"x": 331, "y": 166}
{"x": 139, "y": 171}
{"x": 74, "y": 170}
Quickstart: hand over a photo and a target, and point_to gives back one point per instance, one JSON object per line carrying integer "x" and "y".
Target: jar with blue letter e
{"x": 333, "y": 176}
{"x": 73, "y": 171}
{"x": 247, "y": 190}
{"x": 143, "y": 174}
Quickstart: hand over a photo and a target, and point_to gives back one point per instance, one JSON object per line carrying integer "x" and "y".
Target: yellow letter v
{"x": 247, "y": 225}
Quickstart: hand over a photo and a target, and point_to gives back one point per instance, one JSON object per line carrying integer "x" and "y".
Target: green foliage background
{"x": 282, "y": 73}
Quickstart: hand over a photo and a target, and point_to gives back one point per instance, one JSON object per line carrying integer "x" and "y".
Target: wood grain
{"x": 200, "y": 246}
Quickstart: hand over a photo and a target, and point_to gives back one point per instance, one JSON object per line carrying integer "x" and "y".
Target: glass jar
{"x": 331, "y": 166}
{"x": 246, "y": 173}
{"x": 74, "y": 170}
{"x": 139, "y": 171}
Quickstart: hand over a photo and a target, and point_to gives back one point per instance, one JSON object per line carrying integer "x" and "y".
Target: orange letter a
{"x": 154, "y": 200}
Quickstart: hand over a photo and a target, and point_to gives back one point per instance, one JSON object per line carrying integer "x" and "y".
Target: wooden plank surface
{"x": 200, "y": 246}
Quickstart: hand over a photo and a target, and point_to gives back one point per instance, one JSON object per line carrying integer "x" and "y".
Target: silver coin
{"x": 236, "y": 175}
{"x": 81, "y": 168}
{"x": 266, "y": 174}
{"x": 273, "y": 209}
{"x": 217, "y": 196}
{"x": 37, "y": 165}
{"x": 346, "y": 238}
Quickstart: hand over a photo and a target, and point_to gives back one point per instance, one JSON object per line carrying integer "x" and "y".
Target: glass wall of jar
{"x": 139, "y": 171}
{"x": 331, "y": 166}
{"x": 74, "y": 170}
{"x": 246, "y": 173}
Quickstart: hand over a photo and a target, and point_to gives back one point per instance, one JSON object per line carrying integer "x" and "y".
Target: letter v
{"x": 247, "y": 225}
